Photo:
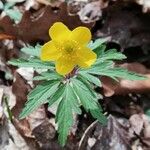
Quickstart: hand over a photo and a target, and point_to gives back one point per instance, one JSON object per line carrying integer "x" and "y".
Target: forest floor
{"x": 126, "y": 26}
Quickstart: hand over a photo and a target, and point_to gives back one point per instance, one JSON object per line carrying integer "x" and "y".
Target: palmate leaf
{"x": 94, "y": 45}
{"x": 64, "y": 115}
{"x": 106, "y": 68}
{"x": 110, "y": 54}
{"x": 32, "y": 62}
{"x": 91, "y": 78}
{"x": 115, "y": 73}
{"x": 48, "y": 76}
{"x": 88, "y": 101}
{"x": 32, "y": 51}
{"x": 39, "y": 96}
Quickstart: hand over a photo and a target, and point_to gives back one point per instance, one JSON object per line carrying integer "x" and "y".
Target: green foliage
{"x": 39, "y": 96}
{"x": 74, "y": 92}
{"x": 88, "y": 100}
{"x": 31, "y": 62}
{"x": 32, "y": 51}
{"x": 148, "y": 112}
{"x": 48, "y": 76}
{"x": 14, "y": 14}
{"x": 64, "y": 115}
{"x": 1, "y": 5}
{"x": 107, "y": 69}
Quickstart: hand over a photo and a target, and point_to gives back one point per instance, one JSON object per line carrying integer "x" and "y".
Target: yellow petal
{"x": 85, "y": 57}
{"x": 64, "y": 65}
{"x": 49, "y": 52}
{"x": 59, "y": 31}
{"x": 82, "y": 35}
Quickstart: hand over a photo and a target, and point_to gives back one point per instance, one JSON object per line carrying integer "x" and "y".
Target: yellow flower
{"x": 68, "y": 48}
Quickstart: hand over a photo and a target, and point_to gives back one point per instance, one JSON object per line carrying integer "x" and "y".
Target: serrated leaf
{"x": 96, "y": 68}
{"x": 48, "y": 76}
{"x": 32, "y": 62}
{"x": 91, "y": 78}
{"x": 65, "y": 120}
{"x": 93, "y": 45}
{"x": 39, "y": 89}
{"x": 88, "y": 102}
{"x": 64, "y": 115}
{"x": 100, "y": 50}
{"x": 85, "y": 85}
{"x": 57, "y": 95}
{"x": 39, "y": 98}
{"x": 121, "y": 73}
{"x": 33, "y": 51}
{"x": 97, "y": 114}
{"x": 14, "y": 14}
{"x": 74, "y": 100}
{"x": 111, "y": 54}
{"x": 84, "y": 94}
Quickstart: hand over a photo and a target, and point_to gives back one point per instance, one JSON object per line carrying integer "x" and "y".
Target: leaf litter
{"x": 127, "y": 101}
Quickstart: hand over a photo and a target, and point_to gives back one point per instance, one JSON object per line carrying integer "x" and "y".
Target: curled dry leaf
{"x": 130, "y": 32}
{"x": 113, "y": 136}
{"x": 123, "y": 87}
{"x": 88, "y": 12}
{"x": 140, "y": 125}
{"x": 5, "y": 36}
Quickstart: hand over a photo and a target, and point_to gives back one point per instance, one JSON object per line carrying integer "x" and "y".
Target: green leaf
{"x": 38, "y": 97}
{"x": 85, "y": 85}
{"x": 33, "y": 51}
{"x": 107, "y": 68}
{"x": 88, "y": 101}
{"x": 91, "y": 78}
{"x": 1, "y": 5}
{"x": 97, "y": 114}
{"x": 100, "y": 50}
{"x": 64, "y": 115}
{"x": 57, "y": 95}
{"x": 93, "y": 45}
{"x": 120, "y": 73}
{"x": 75, "y": 103}
{"x": 65, "y": 120}
{"x": 14, "y": 14}
{"x": 111, "y": 54}
{"x": 9, "y": 5}
{"x": 48, "y": 76}
{"x": 96, "y": 68}
{"x": 148, "y": 112}
{"x": 32, "y": 62}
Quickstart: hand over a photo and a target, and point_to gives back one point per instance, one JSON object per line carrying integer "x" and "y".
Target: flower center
{"x": 69, "y": 47}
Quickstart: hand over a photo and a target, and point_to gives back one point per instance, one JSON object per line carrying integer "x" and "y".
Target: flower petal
{"x": 85, "y": 57}
{"x": 49, "y": 52}
{"x": 64, "y": 65}
{"x": 81, "y": 34}
{"x": 59, "y": 31}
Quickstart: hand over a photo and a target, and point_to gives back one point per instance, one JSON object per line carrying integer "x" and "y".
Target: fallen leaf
{"x": 40, "y": 24}
{"x": 137, "y": 123}
{"x": 113, "y": 136}
{"x": 125, "y": 32}
{"x": 5, "y": 36}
